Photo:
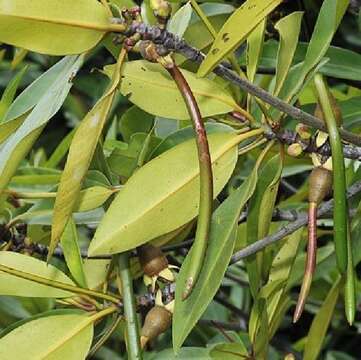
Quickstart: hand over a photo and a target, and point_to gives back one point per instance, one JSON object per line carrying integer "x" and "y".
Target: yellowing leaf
{"x": 162, "y": 195}
{"x": 56, "y": 337}
{"x": 141, "y": 77}
{"x": 16, "y": 286}
{"x": 236, "y": 30}
{"x": 80, "y": 154}
{"x": 57, "y": 27}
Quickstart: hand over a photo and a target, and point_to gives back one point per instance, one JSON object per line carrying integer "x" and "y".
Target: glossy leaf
{"x": 142, "y": 77}
{"x": 36, "y": 25}
{"x": 73, "y": 259}
{"x": 259, "y": 216}
{"x": 15, "y": 286}
{"x": 80, "y": 154}
{"x": 235, "y": 31}
{"x": 289, "y": 29}
{"x": 320, "y": 323}
{"x": 221, "y": 242}
{"x": 19, "y": 143}
{"x": 258, "y": 329}
{"x": 327, "y": 23}
{"x": 166, "y": 186}
{"x": 54, "y": 337}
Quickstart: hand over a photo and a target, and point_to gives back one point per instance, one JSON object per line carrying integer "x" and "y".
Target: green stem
{"x": 58, "y": 284}
{"x": 206, "y": 179}
{"x": 133, "y": 342}
{"x": 339, "y": 179}
{"x": 340, "y": 213}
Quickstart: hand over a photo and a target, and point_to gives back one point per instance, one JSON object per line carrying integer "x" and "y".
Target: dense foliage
{"x": 159, "y": 203}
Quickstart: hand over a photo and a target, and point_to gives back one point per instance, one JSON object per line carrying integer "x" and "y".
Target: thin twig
{"x": 290, "y": 228}
{"x": 169, "y": 42}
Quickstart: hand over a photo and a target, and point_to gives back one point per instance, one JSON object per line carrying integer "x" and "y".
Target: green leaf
{"x": 289, "y": 29}
{"x": 327, "y": 23}
{"x": 16, "y": 286}
{"x": 258, "y": 329}
{"x": 274, "y": 290}
{"x": 9, "y": 93}
{"x": 135, "y": 120}
{"x": 235, "y": 31}
{"x": 125, "y": 162}
{"x": 320, "y": 323}
{"x": 342, "y": 64}
{"x": 60, "y": 150}
{"x": 92, "y": 198}
{"x": 221, "y": 242}
{"x": 142, "y": 77}
{"x": 162, "y": 195}
{"x": 17, "y": 145}
{"x": 37, "y": 25}
{"x": 180, "y": 20}
{"x": 73, "y": 259}
{"x": 232, "y": 351}
{"x": 186, "y": 353}
{"x": 259, "y": 217}
{"x": 29, "y": 98}
{"x": 54, "y": 337}
{"x": 80, "y": 154}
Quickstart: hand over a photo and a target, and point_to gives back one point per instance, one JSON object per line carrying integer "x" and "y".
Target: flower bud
{"x": 162, "y": 10}
{"x": 303, "y": 131}
{"x": 294, "y": 150}
{"x": 157, "y": 321}
{"x": 152, "y": 259}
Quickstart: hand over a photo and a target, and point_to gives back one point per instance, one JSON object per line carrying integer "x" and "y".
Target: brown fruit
{"x": 320, "y": 181}
{"x": 152, "y": 259}
{"x": 157, "y": 321}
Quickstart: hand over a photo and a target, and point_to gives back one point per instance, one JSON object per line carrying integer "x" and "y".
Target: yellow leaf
{"x": 56, "y": 27}
{"x": 80, "y": 154}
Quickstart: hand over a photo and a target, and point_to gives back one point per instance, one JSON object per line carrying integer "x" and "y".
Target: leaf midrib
{"x": 191, "y": 178}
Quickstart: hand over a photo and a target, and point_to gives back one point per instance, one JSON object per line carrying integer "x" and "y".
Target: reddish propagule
{"x": 320, "y": 185}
